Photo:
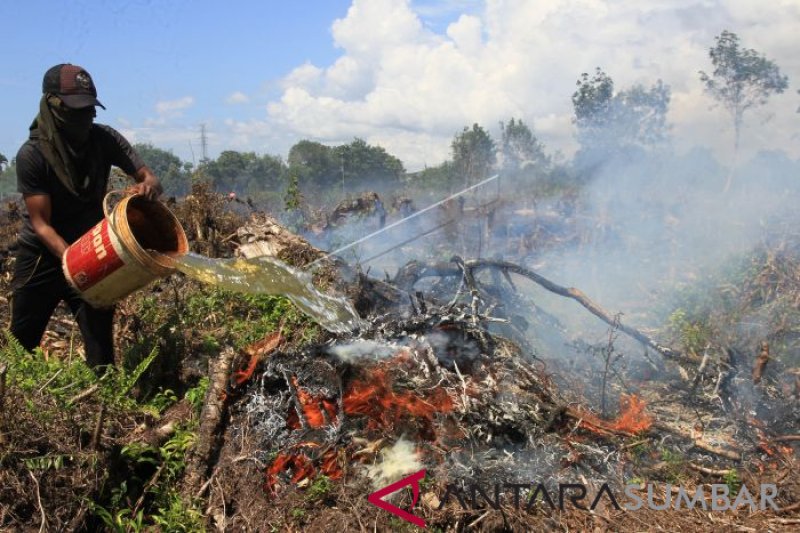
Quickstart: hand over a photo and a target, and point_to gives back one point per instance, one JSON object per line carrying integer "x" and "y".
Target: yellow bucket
{"x": 113, "y": 259}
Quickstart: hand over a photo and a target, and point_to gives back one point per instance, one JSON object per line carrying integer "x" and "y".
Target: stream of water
{"x": 267, "y": 275}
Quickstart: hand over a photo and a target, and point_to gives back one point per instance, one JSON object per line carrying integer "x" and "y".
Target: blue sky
{"x": 144, "y": 52}
{"x": 404, "y": 74}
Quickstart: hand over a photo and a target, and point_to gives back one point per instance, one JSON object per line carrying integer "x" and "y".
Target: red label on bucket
{"x": 92, "y": 257}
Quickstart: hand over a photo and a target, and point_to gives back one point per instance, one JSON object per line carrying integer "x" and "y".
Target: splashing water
{"x": 267, "y": 275}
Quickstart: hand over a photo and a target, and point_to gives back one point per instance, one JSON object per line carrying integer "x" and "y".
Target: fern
{"x": 117, "y": 383}
{"x": 13, "y": 349}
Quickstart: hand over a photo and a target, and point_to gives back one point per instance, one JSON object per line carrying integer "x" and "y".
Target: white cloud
{"x": 410, "y": 88}
{"x": 237, "y": 98}
{"x": 174, "y": 107}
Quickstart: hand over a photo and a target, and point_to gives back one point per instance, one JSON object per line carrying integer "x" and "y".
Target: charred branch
{"x": 761, "y": 362}
{"x": 414, "y": 271}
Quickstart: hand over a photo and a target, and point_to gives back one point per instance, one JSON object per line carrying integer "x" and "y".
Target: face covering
{"x": 74, "y": 124}
{"x": 62, "y": 136}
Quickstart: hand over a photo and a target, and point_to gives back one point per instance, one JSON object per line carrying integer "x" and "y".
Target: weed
{"x": 197, "y": 394}
{"x": 733, "y": 481}
{"x": 320, "y": 489}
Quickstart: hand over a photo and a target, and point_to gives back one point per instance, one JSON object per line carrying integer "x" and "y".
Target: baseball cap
{"x": 72, "y": 84}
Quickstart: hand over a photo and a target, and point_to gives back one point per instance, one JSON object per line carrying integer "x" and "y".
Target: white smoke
{"x": 397, "y": 461}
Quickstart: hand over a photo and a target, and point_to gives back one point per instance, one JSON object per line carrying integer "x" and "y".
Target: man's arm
{"x": 40, "y": 210}
{"x": 147, "y": 183}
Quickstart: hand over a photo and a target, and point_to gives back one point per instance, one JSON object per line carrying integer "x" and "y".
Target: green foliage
{"x": 161, "y": 500}
{"x": 245, "y": 172}
{"x": 733, "y": 481}
{"x": 694, "y": 335}
{"x": 339, "y": 169}
{"x": 520, "y": 149}
{"x": 319, "y": 489}
{"x": 675, "y": 462}
{"x": 742, "y": 78}
{"x": 364, "y": 166}
{"x": 592, "y": 100}
{"x": 173, "y": 173}
{"x": 120, "y": 381}
{"x": 431, "y": 183}
{"x": 32, "y": 373}
{"x": 122, "y": 521}
{"x": 177, "y": 515}
{"x": 473, "y": 154}
{"x": 617, "y": 124}
{"x": 196, "y": 395}
{"x": 144, "y": 498}
{"x": 162, "y": 400}
{"x": 293, "y": 198}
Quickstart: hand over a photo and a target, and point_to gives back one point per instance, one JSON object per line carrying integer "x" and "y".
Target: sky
{"x": 407, "y": 75}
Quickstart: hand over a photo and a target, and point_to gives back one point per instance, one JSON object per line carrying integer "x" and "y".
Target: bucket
{"x": 111, "y": 260}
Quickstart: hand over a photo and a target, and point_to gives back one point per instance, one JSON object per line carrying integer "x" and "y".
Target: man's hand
{"x": 148, "y": 184}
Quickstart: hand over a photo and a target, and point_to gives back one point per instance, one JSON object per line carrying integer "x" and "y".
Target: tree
{"x": 3, "y": 162}
{"x": 617, "y": 125}
{"x": 171, "y": 171}
{"x": 520, "y": 149}
{"x": 246, "y": 173}
{"x": 366, "y": 166}
{"x": 742, "y": 79}
{"x": 473, "y": 154}
{"x": 314, "y": 164}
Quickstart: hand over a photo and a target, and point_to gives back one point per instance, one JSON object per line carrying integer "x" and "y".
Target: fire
{"x": 765, "y": 444}
{"x": 299, "y": 464}
{"x": 632, "y": 420}
{"x": 318, "y": 411}
{"x": 374, "y": 398}
{"x": 302, "y": 467}
{"x": 257, "y": 351}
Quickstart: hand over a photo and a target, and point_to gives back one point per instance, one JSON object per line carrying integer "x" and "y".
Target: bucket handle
{"x": 106, "y": 210}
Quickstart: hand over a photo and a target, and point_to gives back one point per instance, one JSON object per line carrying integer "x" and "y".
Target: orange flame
{"x": 633, "y": 418}
{"x": 257, "y": 351}
{"x": 330, "y": 465}
{"x": 375, "y": 399}
{"x": 301, "y": 467}
{"x": 318, "y": 411}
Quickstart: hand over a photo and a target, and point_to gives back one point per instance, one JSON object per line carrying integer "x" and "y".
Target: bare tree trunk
{"x": 737, "y": 132}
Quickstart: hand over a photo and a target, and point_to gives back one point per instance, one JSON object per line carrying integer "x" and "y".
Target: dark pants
{"x": 38, "y": 287}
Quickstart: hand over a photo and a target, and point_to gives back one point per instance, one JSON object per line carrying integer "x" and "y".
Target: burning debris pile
{"x": 447, "y": 380}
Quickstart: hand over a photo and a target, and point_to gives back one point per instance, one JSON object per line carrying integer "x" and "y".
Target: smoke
{"x": 396, "y": 461}
{"x": 363, "y": 349}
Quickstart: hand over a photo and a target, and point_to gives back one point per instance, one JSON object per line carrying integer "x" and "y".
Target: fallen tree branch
{"x": 787, "y": 438}
{"x": 414, "y": 271}
{"x": 210, "y": 422}
{"x": 3, "y": 371}
{"x": 709, "y": 471}
{"x": 83, "y": 394}
{"x": 698, "y": 443}
{"x": 578, "y": 296}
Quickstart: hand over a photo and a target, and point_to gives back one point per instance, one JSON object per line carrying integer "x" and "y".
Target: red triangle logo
{"x": 376, "y": 498}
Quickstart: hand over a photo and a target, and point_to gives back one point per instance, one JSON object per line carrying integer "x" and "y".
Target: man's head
{"x": 72, "y": 84}
{"x": 71, "y": 97}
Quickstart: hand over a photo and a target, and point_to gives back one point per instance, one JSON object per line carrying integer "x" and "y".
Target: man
{"x": 62, "y": 173}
